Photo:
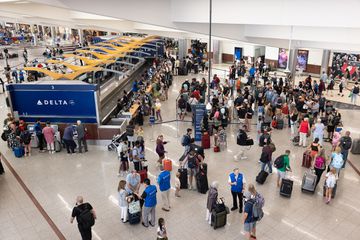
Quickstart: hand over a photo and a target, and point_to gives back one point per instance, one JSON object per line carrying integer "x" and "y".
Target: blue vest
{"x": 150, "y": 200}
{"x": 239, "y": 182}
{"x": 164, "y": 181}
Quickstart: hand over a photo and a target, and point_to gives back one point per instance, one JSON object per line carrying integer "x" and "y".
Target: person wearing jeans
{"x": 266, "y": 156}
{"x": 237, "y": 182}
{"x": 69, "y": 139}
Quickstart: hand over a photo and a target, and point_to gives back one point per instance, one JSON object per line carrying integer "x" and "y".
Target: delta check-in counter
{"x": 60, "y": 102}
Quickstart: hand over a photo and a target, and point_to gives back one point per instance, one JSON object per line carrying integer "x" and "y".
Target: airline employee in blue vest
{"x": 149, "y": 197}
{"x": 237, "y": 182}
{"x": 164, "y": 185}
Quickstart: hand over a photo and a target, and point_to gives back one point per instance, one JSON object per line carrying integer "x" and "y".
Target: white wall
{"x": 271, "y": 53}
{"x": 228, "y": 48}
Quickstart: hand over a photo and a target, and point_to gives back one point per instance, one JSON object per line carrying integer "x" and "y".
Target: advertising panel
{"x": 199, "y": 110}
{"x": 55, "y": 103}
{"x": 302, "y": 59}
{"x": 283, "y": 58}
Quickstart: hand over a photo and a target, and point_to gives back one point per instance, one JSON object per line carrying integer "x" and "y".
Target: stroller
{"x": 116, "y": 141}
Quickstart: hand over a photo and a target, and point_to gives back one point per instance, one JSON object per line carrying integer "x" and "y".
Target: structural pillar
{"x": 52, "y": 32}
{"x": 81, "y": 36}
{"x": 216, "y": 51}
{"x": 325, "y": 61}
{"x": 34, "y": 34}
{"x": 292, "y": 62}
{"x": 182, "y": 48}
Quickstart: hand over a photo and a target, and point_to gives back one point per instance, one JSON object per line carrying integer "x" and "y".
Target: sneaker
{"x": 144, "y": 225}
{"x": 166, "y": 210}
{"x": 233, "y": 208}
{"x": 190, "y": 187}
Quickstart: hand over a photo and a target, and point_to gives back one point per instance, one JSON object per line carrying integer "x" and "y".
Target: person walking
{"x": 149, "y": 197}
{"x": 39, "y": 135}
{"x": 49, "y": 134}
{"x": 330, "y": 182}
{"x": 164, "y": 185}
{"x": 266, "y": 156}
{"x": 345, "y": 144}
{"x": 337, "y": 160}
{"x": 81, "y": 131}
{"x": 211, "y": 200}
{"x": 320, "y": 165}
{"x": 85, "y": 216}
{"x": 286, "y": 167}
{"x": 304, "y": 131}
{"x": 318, "y": 131}
{"x": 237, "y": 182}
{"x": 69, "y": 139}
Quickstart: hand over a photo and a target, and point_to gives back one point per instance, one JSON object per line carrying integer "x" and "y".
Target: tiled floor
{"x": 56, "y": 180}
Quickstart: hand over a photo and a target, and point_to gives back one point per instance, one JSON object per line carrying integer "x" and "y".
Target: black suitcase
{"x": 202, "y": 182}
{"x": 183, "y": 178}
{"x": 355, "y": 148}
{"x": 218, "y": 219}
{"x": 261, "y": 177}
{"x": 333, "y": 194}
{"x": 286, "y": 187}
{"x": 134, "y": 218}
{"x": 280, "y": 124}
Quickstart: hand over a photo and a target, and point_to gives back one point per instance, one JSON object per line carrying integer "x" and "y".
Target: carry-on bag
{"x": 280, "y": 124}
{"x": 286, "y": 187}
{"x": 306, "y": 162}
{"x": 205, "y": 140}
{"x": 202, "y": 182}
{"x": 167, "y": 163}
{"x": 134, "y": 212}
{"x": 19, "y": 152}
{"x": 183, "y": 178}
{"x": 216, "y": 149}
{"x": 355, "y": 147}
{"x": 309, "y": 182}
{"x": 261, "y": 177}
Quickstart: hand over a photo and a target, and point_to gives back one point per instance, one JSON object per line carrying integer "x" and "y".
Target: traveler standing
{"x": 69, "y": 139}
{"x": 186, "y": 140}
{"x": 318, "y": 131}
{"x": 132, "y": 182}
{"x": 25, "y": 137}
{"x": 160, "y": 148}
{"x": 337, "y": 160}
{"x": 164, "y": 185}
{"x": 123, "y": 155}
{"x": 49, "y": 133}
{"x": 136, "y": 156}
{"x": 286, "y": 167}
{"x": 149, "y": 197}
{"x": 122, "y": 201}
{"x": 330, "y": 183}
{"x": 192, "y": 161}
{"x": 39, "y": 135}
{"x": 161, "y": 231}
{"x": 304, "y": 129}
{"x": 130, "y": 133}
{"x": 248, "y": 219}
{"x": 211, "y": 200}
{"x": 85, "y": 216}
{"x": 237, "y": 182}
{"x": 81, "y": 131}
{"x": 345, "y": 145}
{"x": 354, "y": 93}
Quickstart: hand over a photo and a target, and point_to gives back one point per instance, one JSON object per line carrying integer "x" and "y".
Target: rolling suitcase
{"x": 134, "y": 212}
{"x": 202, "y": 182}
{"x": 183, "y": 178}
{"x": 57, "y": 146}
{"x": 280, "y": 124}
{"x": 355, "y": 148}
{"x": 19, "y": 152}
{"x": 204, "y": 168}
{"x": 286, "y": 187}
{"x": 143, "y": 173}
{"x": 216, "y": 149}
{"x": 309, "y": 182}
{"x": 296, "y": 140}
{"x": 205, "y": 140}
{"x": 306, "y": 162}
{"x": 333, "y": 194}
{"x": 167, "y": 163}
{"x": 261, "y": 177}
{"x": 34, "y": 141}
{"x": 218, "y": 219}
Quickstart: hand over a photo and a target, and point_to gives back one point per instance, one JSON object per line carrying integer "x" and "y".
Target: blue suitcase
{"x": 18, "y": 152}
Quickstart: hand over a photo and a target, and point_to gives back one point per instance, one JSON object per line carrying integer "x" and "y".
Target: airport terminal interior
{"x": 242, "y": 115}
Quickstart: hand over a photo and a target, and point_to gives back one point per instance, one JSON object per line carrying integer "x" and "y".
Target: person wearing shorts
{"x": 249, "y": 222}
{"x": 286, "y": 167}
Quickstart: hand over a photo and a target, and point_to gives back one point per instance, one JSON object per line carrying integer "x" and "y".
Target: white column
{"x": 34, "y": 35}
{"x": 182, "y": 48}
{"x": 81, "y": 35}
{"x": 325, "y": 61}
{"x": 52, "y": 32}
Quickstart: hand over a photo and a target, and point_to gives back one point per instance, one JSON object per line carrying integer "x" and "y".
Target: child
{"x": 330, "y": 184}
{"x": 177, "y": 185}
{"x": 161, "y": 232}
{"x": 122, "y": 201}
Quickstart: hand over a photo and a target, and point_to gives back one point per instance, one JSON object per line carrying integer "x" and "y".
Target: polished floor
{"x": 56, "y": 180}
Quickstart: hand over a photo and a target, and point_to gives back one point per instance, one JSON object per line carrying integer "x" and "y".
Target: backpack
{"x": 192, "y": 161}
{"x": 356, "y": 90}
{"x": 346, "y": 143}
{"x": 279, "y": 162}
{"x": 184, "y": 140}
{"x": 26, "y": 137}
{"x": 319, "y": 162}
{"x": 336, "y": 120}
{"x": 264, "y": 158}
{"x": 257, "y": 205}
{"x": 86, "y": 219}
{"x": 158, "y": 87}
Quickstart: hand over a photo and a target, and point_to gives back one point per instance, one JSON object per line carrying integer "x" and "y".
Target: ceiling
{"x": 309, "y": 23}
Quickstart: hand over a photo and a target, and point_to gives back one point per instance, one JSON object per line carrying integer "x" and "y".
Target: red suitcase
{"x": 143, "y": 175}
{"x": 167, "y": 163}
{"x": 306, "y": 162}
{"x": 205, "y": 140}
{"x": 216, "y": 149}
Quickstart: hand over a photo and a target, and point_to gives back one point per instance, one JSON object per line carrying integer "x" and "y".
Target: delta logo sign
{"x": 55, "y": 102}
